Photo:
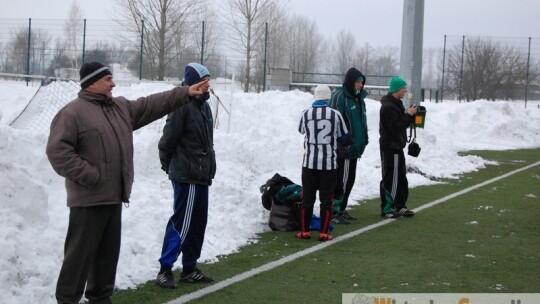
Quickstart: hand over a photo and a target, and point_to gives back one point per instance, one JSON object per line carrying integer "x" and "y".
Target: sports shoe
{"x": 405, "y": 212}
{"x": 348, "y": 216}
{"x": 391, "y": 215}
{"x": 166, "y": 279}
{"x": 303, "y": 235}
{"x": 196, "y": 276}
{"x": 323, "y": 237}
{"x": 339, "y": 219}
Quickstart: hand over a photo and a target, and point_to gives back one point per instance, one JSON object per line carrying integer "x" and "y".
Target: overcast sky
{"x": 377, "y": 22}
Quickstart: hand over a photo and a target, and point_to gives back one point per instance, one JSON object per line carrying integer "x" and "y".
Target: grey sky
{"x": 377, "y": 22}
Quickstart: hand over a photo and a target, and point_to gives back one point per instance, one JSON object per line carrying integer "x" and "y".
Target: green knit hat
{"x": 396, "y": 84}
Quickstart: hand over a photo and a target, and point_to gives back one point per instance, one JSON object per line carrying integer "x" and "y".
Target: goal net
{"x": 49, "y": 98}
{"x": 55, "y": 93}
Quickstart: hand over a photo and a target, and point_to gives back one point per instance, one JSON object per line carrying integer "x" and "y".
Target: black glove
{"x": 205, "y": 96}
{"x": 346, "y": 140}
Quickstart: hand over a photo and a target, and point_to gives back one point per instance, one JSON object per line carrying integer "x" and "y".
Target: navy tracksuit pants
{"x": 186, "y": 227}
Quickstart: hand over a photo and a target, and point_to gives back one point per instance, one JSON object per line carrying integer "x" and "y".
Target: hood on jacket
{"x": 350, "y": 79}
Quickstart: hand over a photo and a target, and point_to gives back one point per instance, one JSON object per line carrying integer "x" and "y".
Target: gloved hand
{"x": 205, "y": 96}
{"x": 346, "y": 140}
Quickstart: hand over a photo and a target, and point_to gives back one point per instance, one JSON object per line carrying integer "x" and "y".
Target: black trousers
{"x": 345, "y": 182}
{"x": 394, "y": 187}
{"x": 325, "y": 182}
{"x": 91, "y": 254}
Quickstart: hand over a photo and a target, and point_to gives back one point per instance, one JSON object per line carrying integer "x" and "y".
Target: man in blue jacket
{"x": 186, "y": 152}
{"x": 349, "y": 101}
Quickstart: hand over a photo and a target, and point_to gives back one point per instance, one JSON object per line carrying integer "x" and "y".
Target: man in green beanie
{"x": 393, "y": 124}
{"x": 349, "y": 101}
{"x": 396, "y": 84}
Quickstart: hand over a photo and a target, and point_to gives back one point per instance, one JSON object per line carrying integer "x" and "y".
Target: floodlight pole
{"x": 412, "y": 38}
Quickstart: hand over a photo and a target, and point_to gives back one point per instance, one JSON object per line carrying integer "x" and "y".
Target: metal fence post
{"x": 527, "y": 77}
{"x": 443, "y": 58}
{"x": 461, "y": 70}
{"x": 28, "y": 49}
{"x": 141, "y": 52}
{"x": 202, "y": 44}
{"x": 265, "y": 55}
{"x": 84, "y": 43}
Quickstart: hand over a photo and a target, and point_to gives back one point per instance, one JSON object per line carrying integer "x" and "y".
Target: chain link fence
{"x": 58, "y": 48}
{"x": 492, "y": 68}
{"x": 473, "y": 67}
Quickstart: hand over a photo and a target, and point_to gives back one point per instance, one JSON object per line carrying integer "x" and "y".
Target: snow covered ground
{"x": 257, "y": 139}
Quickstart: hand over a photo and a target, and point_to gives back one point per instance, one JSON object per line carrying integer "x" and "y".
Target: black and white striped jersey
{"x": 322, "y": 126}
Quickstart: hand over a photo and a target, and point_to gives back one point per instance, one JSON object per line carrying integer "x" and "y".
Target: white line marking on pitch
{"x": 245, "y": 275}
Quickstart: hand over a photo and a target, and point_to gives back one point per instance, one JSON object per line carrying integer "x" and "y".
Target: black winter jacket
{"x": 186, "y": 148}
{"x": 393, "y": 123}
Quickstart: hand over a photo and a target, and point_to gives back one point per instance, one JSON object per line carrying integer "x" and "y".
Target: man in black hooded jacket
{"x": 186, "y": 152}
{"x": 393, "y": 124}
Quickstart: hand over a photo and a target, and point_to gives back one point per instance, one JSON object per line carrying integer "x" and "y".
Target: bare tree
{"x": 18, "y": 48}
{"x": 40, "y": 41}
{"x": 205, "y": 42}
{"x": 305, "y": 46}
{"x": 3, "y": 55}
{"x": 59, "y": 58}
{"x": 385, "y": 63}
{"x": 364, "y": 57}
{"x": 344, "y": 51}
{"x": 513, "y": 81}
{"x": 325, "y": 66}
{"x": 254, "y": 13}
{"x": 73, "y": 29}
{"x": 279, "y": 39}
{"x": 470, "y": 67}
{"x": 166, "y": 28}
{"x": 431, "y": 67}
{"x": 23, "y": 56}
{"x": 487, "y": 70}
{"x": 276, "y": 20}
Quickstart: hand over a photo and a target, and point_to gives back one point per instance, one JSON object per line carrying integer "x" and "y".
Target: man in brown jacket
{"x": 91, "y": 145}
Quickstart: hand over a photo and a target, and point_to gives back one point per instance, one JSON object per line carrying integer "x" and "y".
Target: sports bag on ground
{"x": 284, "y": 200}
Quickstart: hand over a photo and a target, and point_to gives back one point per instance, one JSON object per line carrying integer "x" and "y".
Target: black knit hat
{"x": 92, "y": 72}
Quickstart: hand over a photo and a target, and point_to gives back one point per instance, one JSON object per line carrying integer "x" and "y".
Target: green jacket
{"x": 353, "y": 109}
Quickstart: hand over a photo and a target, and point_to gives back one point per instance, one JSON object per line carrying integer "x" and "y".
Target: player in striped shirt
{"x": 324, "y": 129}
